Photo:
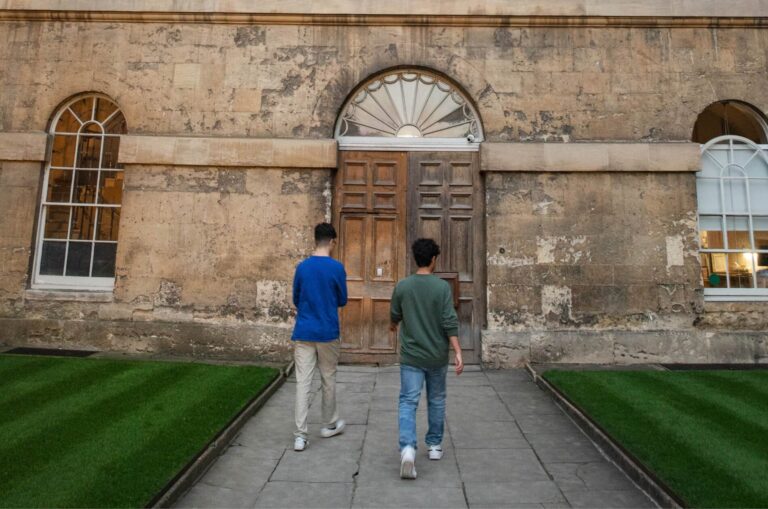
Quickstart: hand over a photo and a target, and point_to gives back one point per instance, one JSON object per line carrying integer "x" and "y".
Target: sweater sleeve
{"x": 341, "y": 288}
{"x": 395, "y": 307}
{"x": 450, "y": 319}
{"x": 296, "y": 288}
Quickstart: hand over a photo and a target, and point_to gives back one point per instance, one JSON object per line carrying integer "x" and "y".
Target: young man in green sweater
{"x": 423, "y": 306}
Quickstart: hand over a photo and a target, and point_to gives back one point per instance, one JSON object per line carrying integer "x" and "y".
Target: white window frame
{"x": 727, "y": 143}
{"x": 471, "y": 143}
{"x": 81, "y": 283}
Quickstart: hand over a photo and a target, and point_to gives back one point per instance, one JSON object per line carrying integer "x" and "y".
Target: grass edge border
{"x": 199, "y": 464}
{"x": 658, "y": 491}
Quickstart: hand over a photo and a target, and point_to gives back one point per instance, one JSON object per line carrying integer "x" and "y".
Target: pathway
{"x": 506, "y": 445}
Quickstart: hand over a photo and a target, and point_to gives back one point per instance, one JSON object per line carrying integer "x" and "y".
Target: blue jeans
{"x": 411, "y": 381}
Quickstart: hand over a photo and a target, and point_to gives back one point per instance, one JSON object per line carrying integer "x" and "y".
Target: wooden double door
{"x": 383, "y": 201}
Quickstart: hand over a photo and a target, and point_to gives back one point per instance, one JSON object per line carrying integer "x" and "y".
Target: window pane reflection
{"x": 59, "y": 185}
{"x": 83, "y": 219}
{"x": 52, "y": 258}
{"x": 109, "y": 224}
{"x": 111, "y": 187}
{"x": 104, "y": 259}
{"x": 79, "y": 259}
{"x": 85, "y": 186}
{"x": 56, "y": 222}
{"x": 89, "y": 152}
{"x": 63, "y": 153}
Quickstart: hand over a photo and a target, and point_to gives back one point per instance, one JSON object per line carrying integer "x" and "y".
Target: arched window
{"x": 730, "y": 118}
{"x": 409, "y": 107}
{"x": 81, "y": 197}
{"x": 732, "y": 189}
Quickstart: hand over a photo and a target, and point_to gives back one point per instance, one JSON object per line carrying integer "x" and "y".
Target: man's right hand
{"x": 459, "y": 364}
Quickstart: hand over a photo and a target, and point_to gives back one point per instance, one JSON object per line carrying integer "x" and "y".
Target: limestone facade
{"x": 589, "y": 175}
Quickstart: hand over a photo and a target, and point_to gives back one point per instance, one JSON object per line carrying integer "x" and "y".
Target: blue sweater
{"x": 319, "y": 290}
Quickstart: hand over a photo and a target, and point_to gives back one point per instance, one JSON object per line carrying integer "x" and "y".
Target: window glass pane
{"x": 79, "y": 259}
{"x": 83, "y": 219}
{"x": 760, "y": 224}
{"x": 735, "y": 195}
{"x": 89, "y": 152}
{"x": 758, "y": 195}
{"x": 711, "y": 232}
{"x": 85, "y": 186}
{"x": 63, "y": 153}
{"x": 740, "y": 269}
{"x": 67, "y": 123}
{"x": 111, "y": 187}
{"x": 56, "y": 220}
{"x": 104, "y": 109}
{"x": 104, "y": 259}
{"x": 59, "y": 185}
{"x": 83, "y": 109}
{"x": 116, "y": 125}
{"x": 52, "y": 258}
{"x": 111, "y": 147}
{"x": 109, "y": 224}
{"x": 713, "y": 270}
{"x": 738, "y": 232}
{"x": 92, "y": 128}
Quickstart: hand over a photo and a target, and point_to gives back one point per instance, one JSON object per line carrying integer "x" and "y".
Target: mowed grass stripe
{"x": 188, "y": 423}
{"x": 754, "y": 384}
{"x": 647, "y": 421}
{"x": 27, "y": 370}
{"x": 120, "y": 451}
{"x": 682, "y": 435}
{"x": 51, "y": 387}
{"x": 714, "y": 425}
{"x": 136, "y": 429}
{"x": 58, "y": 434}
{"x": 745, "y": 408}
{"x": 78, "y": 403}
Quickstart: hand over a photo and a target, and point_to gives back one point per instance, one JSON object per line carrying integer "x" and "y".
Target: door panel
{"x": 369, "y": 209}
{"x": 445, "y": 204}
{"x": 437, "y": 195}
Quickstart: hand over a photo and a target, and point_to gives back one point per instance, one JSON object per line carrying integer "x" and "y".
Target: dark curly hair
{"x": 424, "y": 250}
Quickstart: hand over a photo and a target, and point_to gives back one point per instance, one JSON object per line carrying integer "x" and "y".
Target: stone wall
{"x": 205, "y": 262}
{"x": 603, "y": 267}
{"x": 542, "y": 83}
{"x": 597, "y": 265}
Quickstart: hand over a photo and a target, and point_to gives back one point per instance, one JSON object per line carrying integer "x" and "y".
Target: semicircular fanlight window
{"x": 408, "y": 104}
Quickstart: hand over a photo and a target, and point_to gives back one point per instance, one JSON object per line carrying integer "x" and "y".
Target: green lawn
{"x": 704, "y": 433}
{"x": 109, "y": 433}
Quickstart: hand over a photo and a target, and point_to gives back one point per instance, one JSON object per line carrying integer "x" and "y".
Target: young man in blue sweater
{"x": 319, "y": 290}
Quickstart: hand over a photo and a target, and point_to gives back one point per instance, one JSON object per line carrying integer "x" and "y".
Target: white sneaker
{"x": 435, "y": 452}
{"x": 337, "y": 429}
{"x": 408, "y": 463}
{"x": 300, "y": 444}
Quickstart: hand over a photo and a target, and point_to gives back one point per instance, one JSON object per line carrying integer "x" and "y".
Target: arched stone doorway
{"x": 408, "y": 168}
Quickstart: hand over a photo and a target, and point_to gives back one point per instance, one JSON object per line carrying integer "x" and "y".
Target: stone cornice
{"x": 489, "y": 13}
{"x": 28, "y": 146}
{"x": 590, "y": 157}
{"x": 227, "y": 152}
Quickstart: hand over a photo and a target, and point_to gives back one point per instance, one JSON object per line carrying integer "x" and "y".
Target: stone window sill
{"x": 69, "y": 296}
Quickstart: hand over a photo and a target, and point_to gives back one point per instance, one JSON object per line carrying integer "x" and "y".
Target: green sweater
{"x": 424, "y": 305}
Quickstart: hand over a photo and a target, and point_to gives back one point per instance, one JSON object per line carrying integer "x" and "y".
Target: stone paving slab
{"x": 506, "y": 445}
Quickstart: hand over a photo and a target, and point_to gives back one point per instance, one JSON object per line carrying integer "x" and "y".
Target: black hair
{"x": 424, "y": 250}
{"x": 324, "y": 233}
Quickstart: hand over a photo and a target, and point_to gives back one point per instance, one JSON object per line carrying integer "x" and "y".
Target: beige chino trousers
{"x": 307, "y": 355}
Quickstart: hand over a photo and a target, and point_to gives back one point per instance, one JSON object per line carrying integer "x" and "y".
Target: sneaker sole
{"x": 407, "y": 470}
{"x": 438, "y": 458}
{"x": 337, "y": 431}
